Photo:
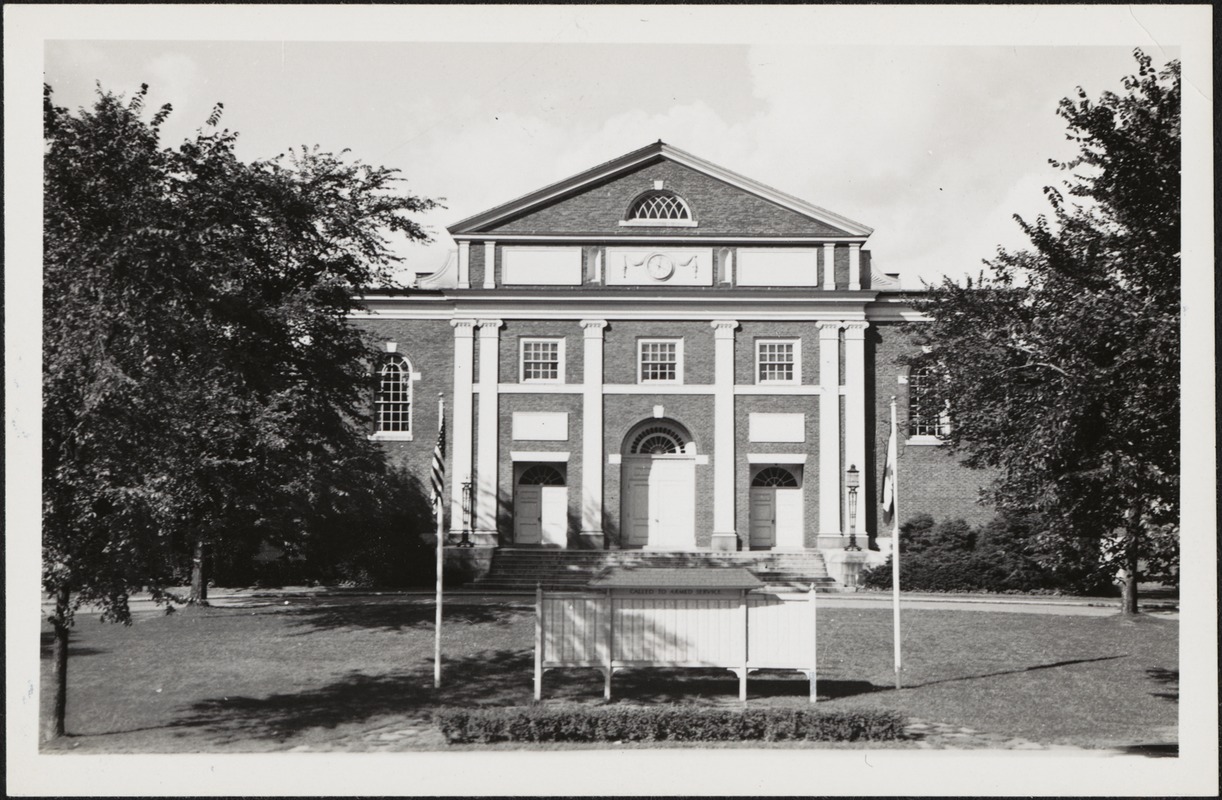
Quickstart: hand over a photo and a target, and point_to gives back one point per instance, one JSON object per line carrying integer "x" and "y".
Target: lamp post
{"x": 466, "y": 516}
{"x": 852, "y": 480}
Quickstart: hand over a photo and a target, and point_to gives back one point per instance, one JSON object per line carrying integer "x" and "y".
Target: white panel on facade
{"x": 541, "y": 426}
{"x": 776, "y": 427}
{"x": 664, "y": 266}
{"x": 777, "y": 267}
{"x": 552, "y": 266}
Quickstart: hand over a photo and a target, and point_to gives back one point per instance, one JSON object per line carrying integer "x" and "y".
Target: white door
{"x": 528, "y": 515}
{"x": 776, "y": 508}
{"x": 660, "y": 503}
{"x": 672, "y": 504}
{"x": 553, "y": 515}
{"x": 763, "y": 517}
{"x": 636, "y": 501}
{"x": 788, "y": 503}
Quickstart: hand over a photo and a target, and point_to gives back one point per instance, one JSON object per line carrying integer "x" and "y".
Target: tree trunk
{"x": 199, "y": 576}
{"x": 1128, "y": 596}
{"x": 53, "y": 726}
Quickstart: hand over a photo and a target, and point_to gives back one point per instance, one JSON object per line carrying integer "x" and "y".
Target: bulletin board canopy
{"x": 660, "y": 578}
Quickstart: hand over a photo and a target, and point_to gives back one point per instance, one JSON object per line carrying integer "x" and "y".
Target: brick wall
{"x": 744, "y": 348}
{"x": 931, "y": 479}
{"x": 721, "y": 255}
{"x": 620, "y": 349}
{"x": 429, "y": 346}
{"x": 744, "y": 406}
{"x": 515, "y": 330}
{"x": 718, "y": 208}
{"x": 621, "y": 413}
{"x": 510, "y": 403}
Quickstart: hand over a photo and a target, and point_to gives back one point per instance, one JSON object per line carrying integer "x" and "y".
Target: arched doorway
{"x": 658, "y": 507}
{"x": 540, "y": 506}
{"x": 776, "y": 508}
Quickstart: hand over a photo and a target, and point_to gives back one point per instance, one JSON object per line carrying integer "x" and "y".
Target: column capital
{"x": 854, "y": 245}
{"x": 463, "y": 327}
{"x": 724, "y": 328}
{"x": 593, "y": 327}
{"x": 829, "y": 329}
{"x": 489, "y": 327}
{"x": 855, "y": 329}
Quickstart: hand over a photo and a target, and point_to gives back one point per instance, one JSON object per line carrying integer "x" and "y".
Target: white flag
{"x": 889, "y": 476}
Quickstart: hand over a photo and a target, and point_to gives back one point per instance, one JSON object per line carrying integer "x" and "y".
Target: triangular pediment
{"x": 598, "y": 202}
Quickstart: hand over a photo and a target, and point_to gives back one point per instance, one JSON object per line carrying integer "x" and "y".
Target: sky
{"x": 935, "y": 147}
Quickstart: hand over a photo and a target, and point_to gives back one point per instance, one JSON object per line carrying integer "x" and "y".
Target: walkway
{"x": 324, "y": 596}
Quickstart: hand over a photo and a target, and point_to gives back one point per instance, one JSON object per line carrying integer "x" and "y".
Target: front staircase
{"x": 522, "y": 569}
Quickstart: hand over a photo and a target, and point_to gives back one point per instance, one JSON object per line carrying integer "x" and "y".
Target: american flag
{"x": 889, "y": 474}
{"x": 439, "y": 456}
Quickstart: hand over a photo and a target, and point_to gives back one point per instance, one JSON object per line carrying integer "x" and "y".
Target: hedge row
{"x": 1009, "y": 554}
{"x": 663, "y": 723}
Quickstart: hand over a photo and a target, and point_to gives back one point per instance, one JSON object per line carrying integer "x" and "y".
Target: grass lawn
{"x": 281, "y": 677}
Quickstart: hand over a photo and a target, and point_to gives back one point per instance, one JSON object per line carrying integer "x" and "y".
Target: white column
{"x": 855, "y": 413}
{"x": 485, "y": 500}
{"x": 854, "y": 266}
{"x": 829, "y": 265}
{"x": 829, "y": 431}
{"x": 464, "y": 265}
{"x": 460, "y": 438}
{"x": 489, "y": 267}
{"x": 592, "y": 433}
{"x": 724, "y": 535}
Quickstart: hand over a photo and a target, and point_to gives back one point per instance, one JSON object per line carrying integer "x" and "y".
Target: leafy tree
{"x": 202, "y": 386}
{"x": 1063, "y": 358}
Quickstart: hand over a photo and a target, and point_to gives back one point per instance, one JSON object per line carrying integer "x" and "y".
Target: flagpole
{"x": 895, "y": 546}
{"x": 437, "y": 510}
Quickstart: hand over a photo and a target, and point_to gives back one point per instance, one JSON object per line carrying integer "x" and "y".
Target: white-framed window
{"x": 928, "y": 405}
{"x": 393, "y": 398}
{"x": 541, "y": 361}
{"x": 778, "y": 361}
{"x": 660, "y": 207}
{"x": 660, "y": 361}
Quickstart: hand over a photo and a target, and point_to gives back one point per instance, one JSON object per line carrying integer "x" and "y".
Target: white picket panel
{"x": 780, "y": 632}
{"x": 613, "y": 630}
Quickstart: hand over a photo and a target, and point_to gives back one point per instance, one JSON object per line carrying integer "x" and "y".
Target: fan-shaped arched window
{"x": 541, "y": 475}
{"x": 393, "y": 403}
{"x": 775, "y": 476}
{"x": 658, "y": 440}
{"x": 660, "y": 206}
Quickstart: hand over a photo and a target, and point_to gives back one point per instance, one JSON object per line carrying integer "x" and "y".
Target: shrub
{"x": 570, "y": 723}
{"x": 1009, "y": 554}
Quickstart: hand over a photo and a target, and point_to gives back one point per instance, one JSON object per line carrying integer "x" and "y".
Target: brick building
{"x": 659, "y": 353}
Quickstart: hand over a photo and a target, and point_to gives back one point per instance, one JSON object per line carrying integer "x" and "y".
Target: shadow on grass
{"x": 1169, "y": 678}
{"x": 46, "y": 642}
{"x": 1053, "y": 665}
{"x": 397, "y": 617}
{"x": 490, "y": 678}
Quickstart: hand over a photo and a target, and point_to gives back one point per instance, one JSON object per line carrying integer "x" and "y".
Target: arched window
{"x": 393, "y": 402}
{"x": 775, "y": 476}
{"x": 658, "y": 440}
{"x": 660, "y": 206}
{"x": 928, "y": 406}
{"x": 541, "y": 475}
